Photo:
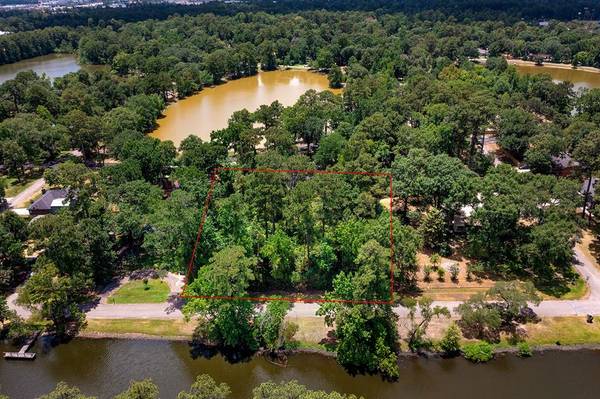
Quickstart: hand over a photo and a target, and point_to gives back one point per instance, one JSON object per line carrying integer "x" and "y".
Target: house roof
{"x": 564, "y": 160}
{"x": 45, "y": 202}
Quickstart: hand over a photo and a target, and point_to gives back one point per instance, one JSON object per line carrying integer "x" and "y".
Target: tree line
{"x": 510, "y": 11}
{"x": 204, "y": 387}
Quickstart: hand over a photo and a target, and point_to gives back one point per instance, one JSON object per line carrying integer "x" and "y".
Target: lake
{"x": 53, "y": 65}
{"x": 104, "y": 367}
{"x": 580, "y": 78}
{"x": 210, "y": 109}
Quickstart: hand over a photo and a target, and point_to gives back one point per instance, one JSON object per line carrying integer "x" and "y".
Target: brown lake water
{"x": 579, "y": 78}
{"x": 210, "y": 109}
{"x": 104, "y": 367}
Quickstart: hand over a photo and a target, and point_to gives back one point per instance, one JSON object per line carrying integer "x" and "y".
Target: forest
{"x": 414, "y": 105}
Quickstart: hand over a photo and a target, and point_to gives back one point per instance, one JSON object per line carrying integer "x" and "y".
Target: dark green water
{"x": 105, "y": 367}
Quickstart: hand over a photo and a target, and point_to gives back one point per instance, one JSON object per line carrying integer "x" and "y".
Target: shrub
{"x": 478, "y": 352}
{"x": 441, "y": 274}
{"x": 450, "y": 343}
{"x": 473, "y": 269}
{"x": 524, "y": 350}
{"x": 454, "y": 270}
{"x": 435, "y": 260}
{"x": 426, "y": 273}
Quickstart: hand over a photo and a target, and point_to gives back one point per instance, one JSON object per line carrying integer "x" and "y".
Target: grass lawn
{"x": 135, "y": 292}
{"x": 566, "y": 330}
{"x": 156, "y": 327}
{"x": 576, "y": 290}
{"x": 14, "y": 187}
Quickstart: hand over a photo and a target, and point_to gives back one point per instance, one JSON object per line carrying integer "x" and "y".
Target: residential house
{"x": 50, "y": 202}
{"x": 563, "y": 164}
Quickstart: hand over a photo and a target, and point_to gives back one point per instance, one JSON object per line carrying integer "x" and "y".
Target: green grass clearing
{"x": 136, "y": 291}
{"x": 566, "y": 330}
{"x": 155, "y": 327}
{"x": 13, "y": 187}
{"x": 569, "y": 330}
{"x": 576, "y": 290}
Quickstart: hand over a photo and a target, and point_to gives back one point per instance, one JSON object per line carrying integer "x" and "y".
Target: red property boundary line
{"x": 207, "y": 201}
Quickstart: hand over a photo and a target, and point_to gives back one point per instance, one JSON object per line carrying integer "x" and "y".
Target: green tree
{"x": 205, "y": 387}
{"x": 12, "y": 237}
{"x": 145, "y": 389}
{"x": 13, "y": 157}
{"x": 270, "y": 327}
{"x": 478, "y": 352}
{"x": 417, "y": 326}
{"x": 173, "y": 228}
{"x": 64, "y": 391}
{"x": 77, "y": 247}
{"x": 204, "y": 156}
{"x": 587, "y": 152}
{"x": 433, "y": 229}
{"x": 292, "y": 389}
{"x": 335, "y": 77}
{"x": 225, "y": 322}
{"x": 279, "y": 251}
{"x": 268, "y": 56}
{"x": 450, "y": 342}
{"x": 154, "y": 156}
{"x": 367, "y": 334}
{"x": 133, "y": 202}
{"x": 57, "y": 298}
{"x": 330, "y": 149}
{"x": 515, "y": 128}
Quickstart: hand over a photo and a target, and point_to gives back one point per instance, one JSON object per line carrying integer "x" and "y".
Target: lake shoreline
{"x": 209, "y": 109}
{"x": 556, "y": 65}
{"x": 537, "y": 349}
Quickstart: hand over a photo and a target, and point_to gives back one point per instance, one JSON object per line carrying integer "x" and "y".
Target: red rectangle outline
{"x": 213, "y": 176}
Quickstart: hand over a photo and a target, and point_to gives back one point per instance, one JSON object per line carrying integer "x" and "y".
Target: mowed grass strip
{"x": 14, "y": 186}
{"x": 136, "y": 291}
{"x": 154, "y": 327}
{"x": 566, "y": 330}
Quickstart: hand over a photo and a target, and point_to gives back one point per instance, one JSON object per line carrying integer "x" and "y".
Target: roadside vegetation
{"x": 414, "y": 105}
{"x": 139, "y": 327}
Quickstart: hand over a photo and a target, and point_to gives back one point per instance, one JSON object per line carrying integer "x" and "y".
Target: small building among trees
{"x": 50, "y": 202}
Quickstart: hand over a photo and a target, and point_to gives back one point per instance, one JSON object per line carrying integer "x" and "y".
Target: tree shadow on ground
{"x": 92, "y": 304}
{"x": 595, "y": 246}
{"x": 175, "y": 302}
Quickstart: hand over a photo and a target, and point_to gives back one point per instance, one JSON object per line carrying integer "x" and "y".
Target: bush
{"x": 524, "y": 350}
{"x": 454, "y": 270}
{"x": 441, "y": 274}
{"x": 473, "y": 269}
{"x": 426, "y": 273}
{"x": 450, "y": 343}
{"x": 478, "y": 352}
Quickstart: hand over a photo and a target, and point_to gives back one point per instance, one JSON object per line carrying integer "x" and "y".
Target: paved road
{"x": 551, "y": 308}
{"x": 26, "y": 194}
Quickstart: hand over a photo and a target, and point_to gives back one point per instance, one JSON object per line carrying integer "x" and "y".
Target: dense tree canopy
{"x": 415, "y": 104}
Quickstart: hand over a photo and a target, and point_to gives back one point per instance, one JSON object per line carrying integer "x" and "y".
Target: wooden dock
{"x": 22, "y": 353}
